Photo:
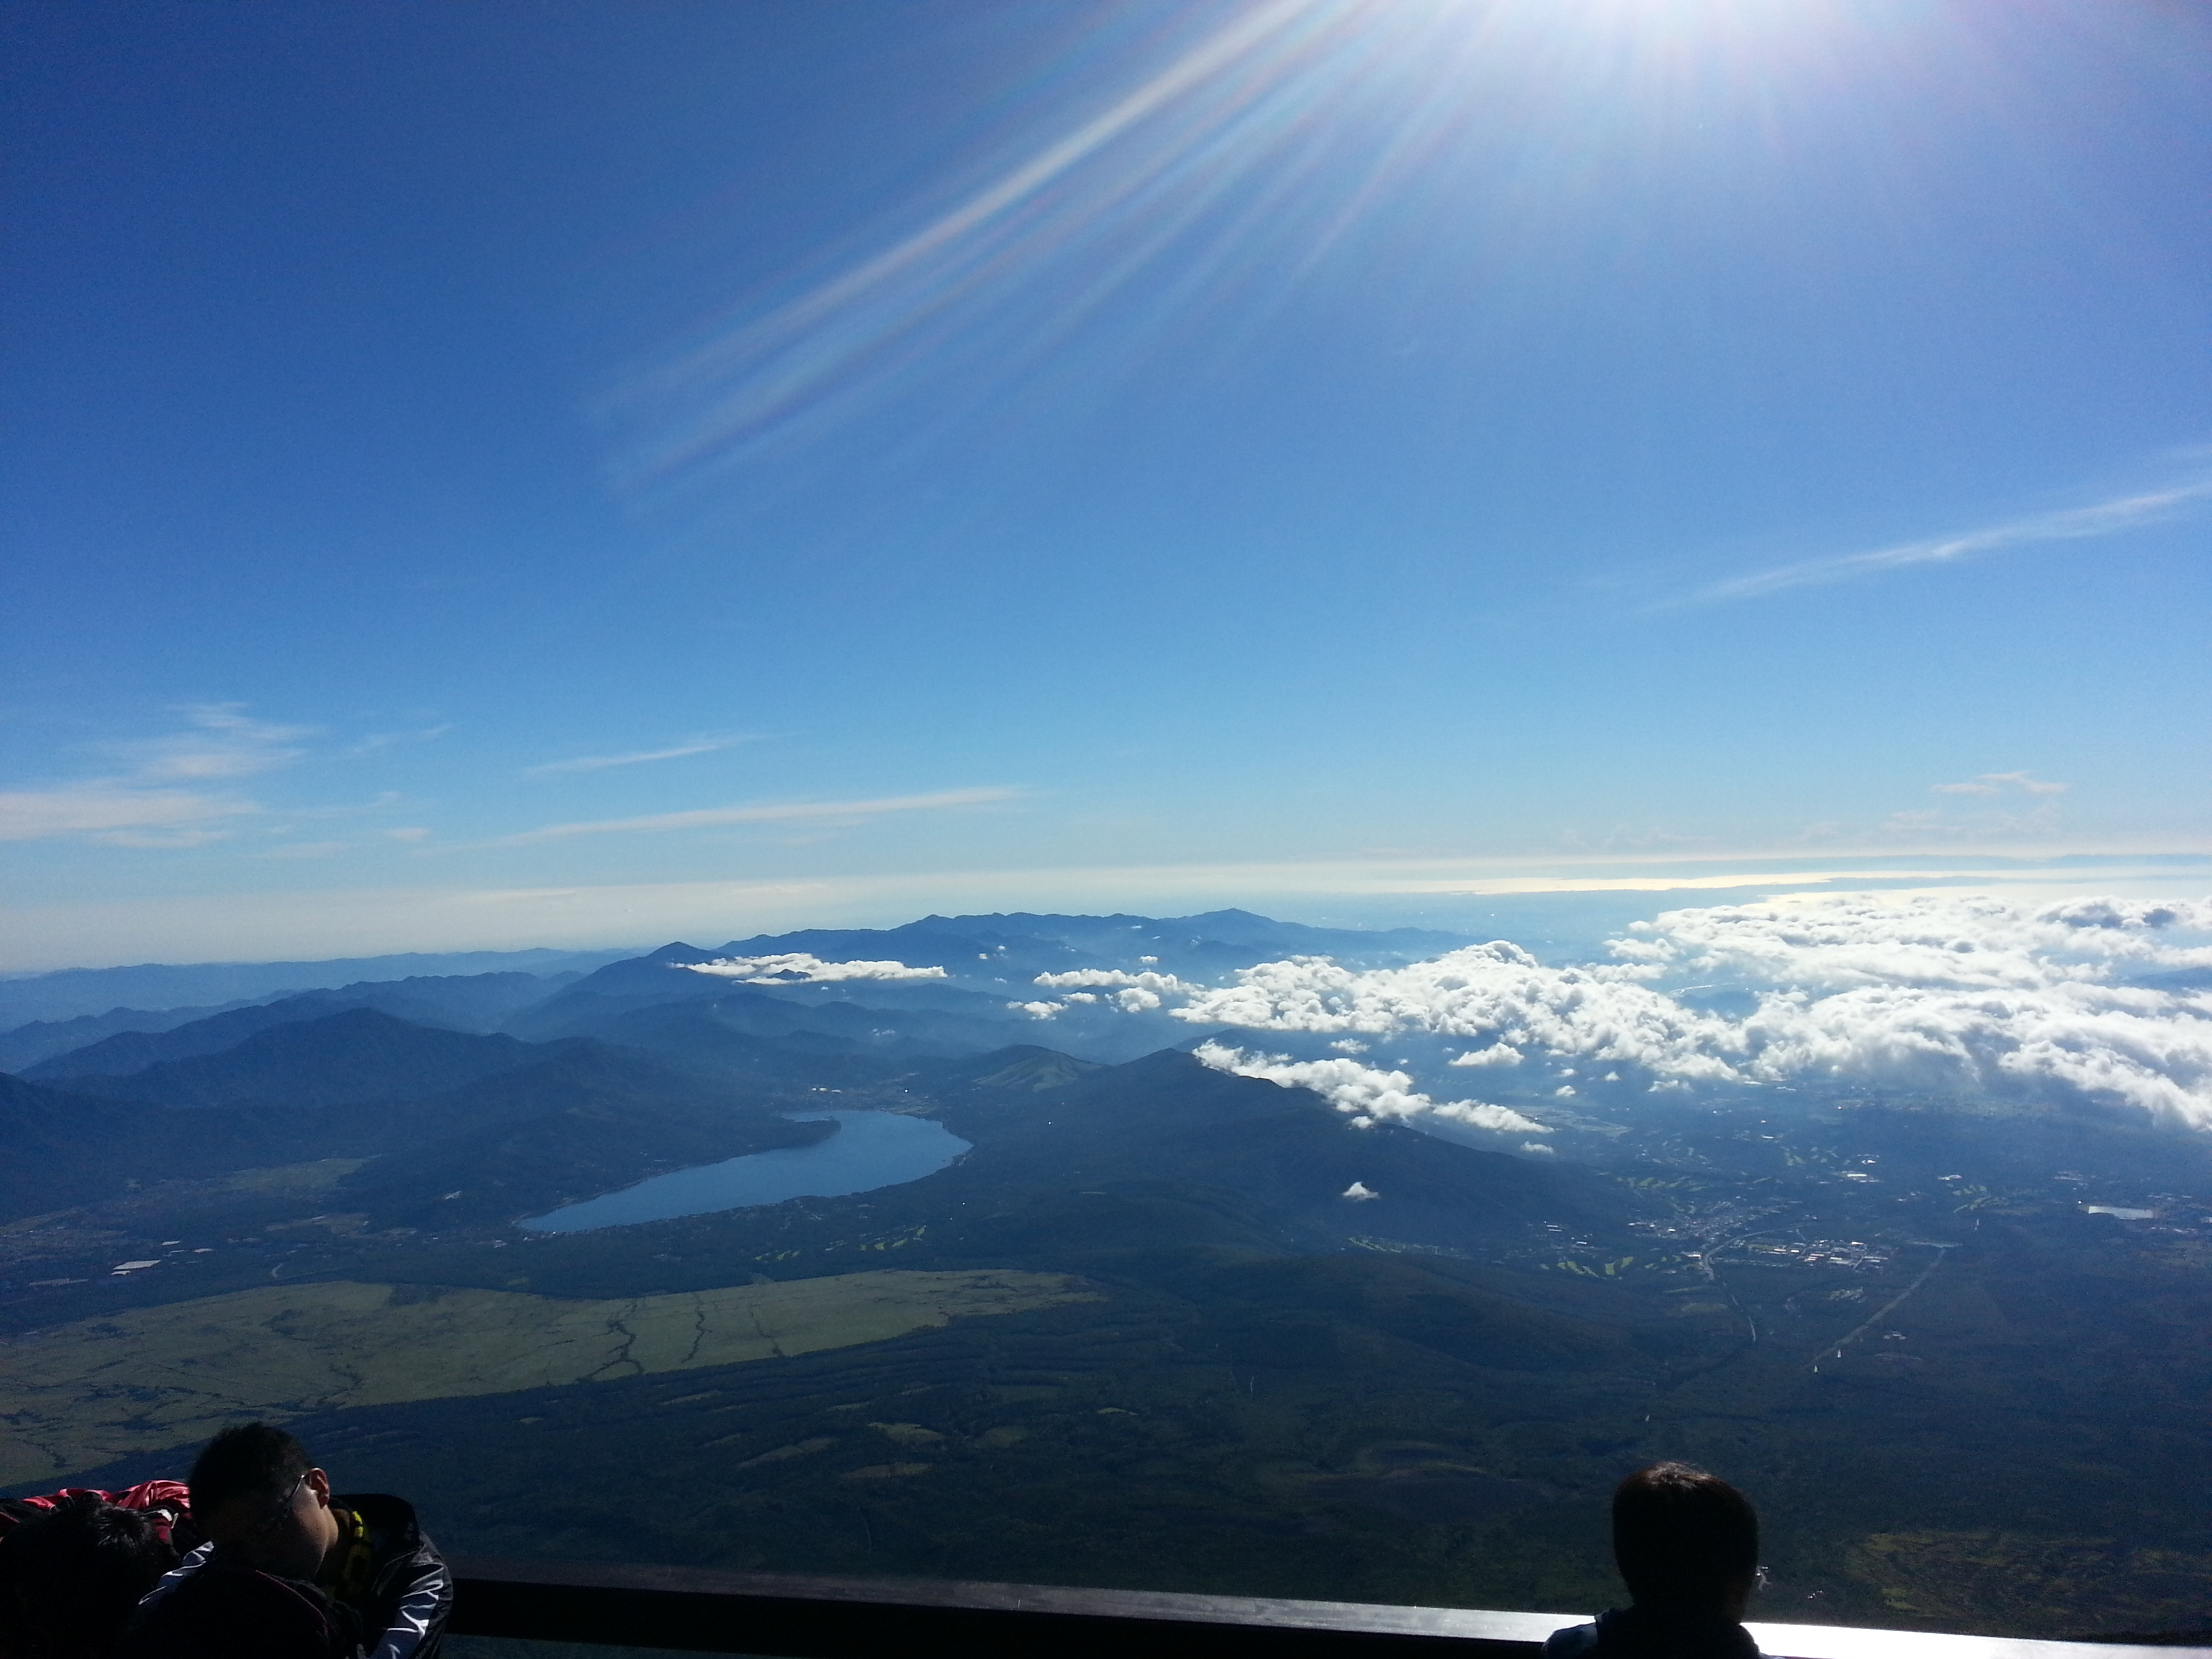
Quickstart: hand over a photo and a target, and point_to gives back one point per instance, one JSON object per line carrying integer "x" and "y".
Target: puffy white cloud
{"x": 1137, "y": 993}
{"x": 797, "y": 968}
{"x": 1946, "y": 993}
{"x": 1368, "y": 1093}
{"x": 2149, "y": 1049}
{"x": 1360, "y": 1191}
{"x": 1941, "y": 993}
{"x": 1497, "y": 1053}
{"x": 1495, "y": 990}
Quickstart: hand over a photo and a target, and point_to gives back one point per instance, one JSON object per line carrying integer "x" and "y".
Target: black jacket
{"x": 1653, "y": 1633}
{"x": 390, "y": 1600}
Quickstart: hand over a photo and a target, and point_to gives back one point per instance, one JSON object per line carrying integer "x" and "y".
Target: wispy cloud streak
{"x": 716, "y": 818}
{"x": 1996, "y": 783}
{"x": 2109, "y": 518}
{"x": 602, "y": 763}
{"x": 161, "y": 798}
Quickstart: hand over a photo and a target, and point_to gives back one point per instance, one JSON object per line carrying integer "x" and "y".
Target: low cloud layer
{"x": 1950, "y": 995}
{"x": 1496, "y": 991}
{"x": 1965, "y": 943}
{"x": 797, "y": 968}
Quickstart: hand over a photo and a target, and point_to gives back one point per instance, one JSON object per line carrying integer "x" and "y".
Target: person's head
{"x": 1685, "y": 1539}
{"x": 261, "y": 1503}
{"x": 70, "y": 1578}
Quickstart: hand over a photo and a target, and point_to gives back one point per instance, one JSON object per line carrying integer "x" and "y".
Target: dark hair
{"x": 246, "y": 1459}
{"x": 1681, "y": 1535}
{"x": 71, "y": 1577}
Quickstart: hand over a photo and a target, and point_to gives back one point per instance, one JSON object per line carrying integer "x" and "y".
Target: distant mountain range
{"x": 522, "y": 1090}
{"x": 989, "y": 964}
{"x": 71, "y": 993}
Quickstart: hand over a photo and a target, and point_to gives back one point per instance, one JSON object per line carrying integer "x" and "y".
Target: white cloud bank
{"x": 1497, "y": 990}
{"x": 1939, "y": 993}
{"x": 798, "y": 968}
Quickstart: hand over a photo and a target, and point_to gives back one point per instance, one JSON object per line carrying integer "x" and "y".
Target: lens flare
{"x": 1232, "y": 170}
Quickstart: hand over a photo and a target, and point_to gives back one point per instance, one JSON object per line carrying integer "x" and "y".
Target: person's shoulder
{"x": 1626, "y": 1632}
{"x": 404, "y": 1559}
{"x": 378, "y": 1509}
{"x": 390, "y": 1522}
{"x": 1571, "y": 1643}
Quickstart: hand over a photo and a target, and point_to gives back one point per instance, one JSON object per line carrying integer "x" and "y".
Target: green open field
{"x": 78, "y": 1395}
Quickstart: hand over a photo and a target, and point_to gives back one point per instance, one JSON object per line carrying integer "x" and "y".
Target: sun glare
{"x": 1237, "y": 161}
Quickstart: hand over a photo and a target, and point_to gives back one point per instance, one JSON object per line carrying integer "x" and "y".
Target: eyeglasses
{"x": 266, "y": 1527}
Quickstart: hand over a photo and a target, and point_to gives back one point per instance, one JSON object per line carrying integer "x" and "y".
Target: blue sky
{"x": 510, "y": 475}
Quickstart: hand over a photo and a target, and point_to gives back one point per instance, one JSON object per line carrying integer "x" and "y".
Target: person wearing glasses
{"x": 290, "y": 1568}
{"x": 1687, "y": 1546}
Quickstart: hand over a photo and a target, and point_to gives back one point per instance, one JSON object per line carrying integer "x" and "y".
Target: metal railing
{"x": 793, "y": 1617}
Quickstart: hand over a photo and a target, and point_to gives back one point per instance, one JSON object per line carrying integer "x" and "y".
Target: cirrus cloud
{"x": 642, "y": 758}
{"x": 161, "y": 796}
{"x": 2114, "y": 516}
{"x": 716, "y": 818}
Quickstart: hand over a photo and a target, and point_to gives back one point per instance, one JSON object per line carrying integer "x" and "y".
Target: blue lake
{"x": 870, "y": 1150}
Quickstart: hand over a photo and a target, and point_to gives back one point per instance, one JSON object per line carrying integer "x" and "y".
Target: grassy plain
{"x": 154, "y": 1377}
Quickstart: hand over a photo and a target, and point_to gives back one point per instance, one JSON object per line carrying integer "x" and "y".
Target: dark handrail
{"x": 794, "y": 1617}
